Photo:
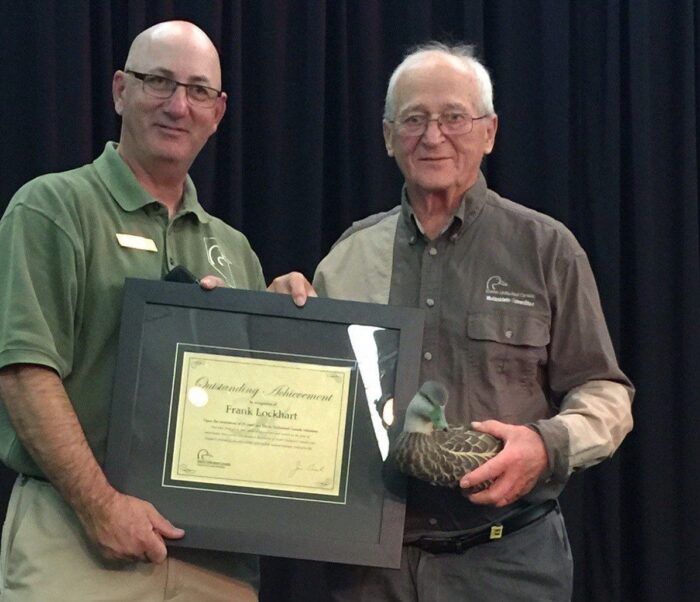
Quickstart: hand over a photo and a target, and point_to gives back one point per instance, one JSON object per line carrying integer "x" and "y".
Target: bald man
{"x": 67, "y": 242}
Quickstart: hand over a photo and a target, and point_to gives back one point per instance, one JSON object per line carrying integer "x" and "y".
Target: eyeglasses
{"x": 159, "y": 86}
{"x": 451, "y": 123}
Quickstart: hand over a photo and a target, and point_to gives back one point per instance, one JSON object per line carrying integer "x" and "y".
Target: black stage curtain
{"x": 598, "y": 104}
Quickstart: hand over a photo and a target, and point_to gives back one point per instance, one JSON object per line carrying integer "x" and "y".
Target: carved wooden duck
{"x": 431, "y": 450}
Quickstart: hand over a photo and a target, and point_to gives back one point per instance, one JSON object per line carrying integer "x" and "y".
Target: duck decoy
{"x": 431, "y": 450}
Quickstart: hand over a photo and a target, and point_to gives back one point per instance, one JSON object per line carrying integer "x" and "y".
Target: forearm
{"x": 593, "y": 420}
{"x": 124, "y": 527}
{"x": 48, "y": 427}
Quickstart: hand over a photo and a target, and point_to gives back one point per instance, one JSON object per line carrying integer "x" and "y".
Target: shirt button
{"x": 428, "y": 356}
{"x": 412, "y": 240}
{"x": 432, "y": 522}
{"x": 509, "y": 334}
{"x": 433, "y": 251}
{"x": 171, "y": 261}
{"x": 429, "y": 302}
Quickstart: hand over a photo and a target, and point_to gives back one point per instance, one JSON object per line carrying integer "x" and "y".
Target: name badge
{"x": 137, "y": 242}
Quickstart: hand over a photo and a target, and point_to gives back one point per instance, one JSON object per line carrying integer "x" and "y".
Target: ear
{"x": 118, "y": 87}
{"x": 386, "y": 128}
{"x": 490, "y": 134}
{"x": 219, "y": 110}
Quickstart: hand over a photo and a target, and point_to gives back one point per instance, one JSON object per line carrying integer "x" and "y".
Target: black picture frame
{"x": 362, "y": 523}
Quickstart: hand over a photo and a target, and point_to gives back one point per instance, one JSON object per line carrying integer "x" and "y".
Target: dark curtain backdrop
{"x": 598, "y": 104}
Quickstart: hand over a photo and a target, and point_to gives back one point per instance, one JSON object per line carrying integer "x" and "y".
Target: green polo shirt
{"x": 67, "y": 242}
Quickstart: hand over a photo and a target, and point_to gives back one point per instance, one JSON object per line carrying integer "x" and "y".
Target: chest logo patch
{"x": 499, "y": 291}
{"x": 219, "y": 261}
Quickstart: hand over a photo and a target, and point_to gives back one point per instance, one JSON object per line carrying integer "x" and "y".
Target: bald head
{"x": 163, "y": 129}
{"x": 152, "y": 46}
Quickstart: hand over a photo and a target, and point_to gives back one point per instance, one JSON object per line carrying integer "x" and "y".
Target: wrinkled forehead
{"x": 436, "y": 84}
{"x": 184, "y": 56}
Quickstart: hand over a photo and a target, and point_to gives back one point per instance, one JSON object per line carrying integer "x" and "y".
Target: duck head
{"x": 426, "y": 411}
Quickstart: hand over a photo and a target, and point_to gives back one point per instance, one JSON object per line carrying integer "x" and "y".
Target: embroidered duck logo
{"x": 219, "y": 261}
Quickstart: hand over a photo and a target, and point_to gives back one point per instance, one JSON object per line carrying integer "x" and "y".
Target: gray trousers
{"x": 533, "y": 564}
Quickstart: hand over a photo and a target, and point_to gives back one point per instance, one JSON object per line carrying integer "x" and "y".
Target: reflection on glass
{"x": 364, "y": 345}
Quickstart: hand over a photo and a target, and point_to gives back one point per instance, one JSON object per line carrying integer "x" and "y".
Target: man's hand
{"x": 514, "y": 471}
{"x": 209, "y": 283}
{"x": 127, "y": 528}
{"x": 294, "y": 284}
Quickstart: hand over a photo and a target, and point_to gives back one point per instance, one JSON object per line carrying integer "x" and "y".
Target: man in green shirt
{"x": 67, "y": 242}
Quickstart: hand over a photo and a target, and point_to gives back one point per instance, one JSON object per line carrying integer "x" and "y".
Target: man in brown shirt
{"x": 514, "y": 330}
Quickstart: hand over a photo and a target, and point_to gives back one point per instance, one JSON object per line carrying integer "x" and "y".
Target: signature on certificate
{"x": 301, "y": 467}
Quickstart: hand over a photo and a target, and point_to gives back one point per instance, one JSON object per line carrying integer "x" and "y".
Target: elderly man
{"x": 514, "y": 330}
{"x": 67, "y": 242}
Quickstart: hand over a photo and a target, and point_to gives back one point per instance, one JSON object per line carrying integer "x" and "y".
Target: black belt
{"x": 493, "y": 532}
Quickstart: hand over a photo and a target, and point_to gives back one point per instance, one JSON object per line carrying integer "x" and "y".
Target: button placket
{"x": 169, "y": 246}
{"x": 429, "y": 294}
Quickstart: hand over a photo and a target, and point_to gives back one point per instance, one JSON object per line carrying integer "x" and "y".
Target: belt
{"x": 493, "y": 532}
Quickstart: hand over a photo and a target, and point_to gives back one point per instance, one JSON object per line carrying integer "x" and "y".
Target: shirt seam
{"x": 50, "y": 219}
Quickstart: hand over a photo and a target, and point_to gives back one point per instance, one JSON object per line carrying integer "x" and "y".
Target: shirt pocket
{"x": 507, "y": 366}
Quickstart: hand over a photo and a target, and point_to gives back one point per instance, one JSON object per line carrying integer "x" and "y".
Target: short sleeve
{"x": 39, "y": 293}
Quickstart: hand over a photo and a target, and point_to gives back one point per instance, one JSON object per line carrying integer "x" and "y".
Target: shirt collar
{"x": 129, "y": 194}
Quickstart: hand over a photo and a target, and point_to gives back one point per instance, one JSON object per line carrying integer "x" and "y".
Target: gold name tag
{"x": 136, "y": 242}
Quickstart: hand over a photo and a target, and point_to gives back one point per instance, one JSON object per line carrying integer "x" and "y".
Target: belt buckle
{"x": 496, "y": 531}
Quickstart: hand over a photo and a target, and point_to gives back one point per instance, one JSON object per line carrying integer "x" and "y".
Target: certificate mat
{"x": 253, "y": 424}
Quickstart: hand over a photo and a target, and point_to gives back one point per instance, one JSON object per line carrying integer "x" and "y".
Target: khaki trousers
{"x": 45, "y": 557}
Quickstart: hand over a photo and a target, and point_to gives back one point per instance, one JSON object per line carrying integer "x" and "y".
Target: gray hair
{"x": 463, "y": 52}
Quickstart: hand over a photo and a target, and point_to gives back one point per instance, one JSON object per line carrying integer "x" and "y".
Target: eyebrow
{"x": 194, "y": 79}
{"x": 422, "y": 108}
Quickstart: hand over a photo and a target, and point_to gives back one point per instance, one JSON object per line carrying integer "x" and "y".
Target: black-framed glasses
{"x": 449, "y": 122}
{"x": 163, "y": 87}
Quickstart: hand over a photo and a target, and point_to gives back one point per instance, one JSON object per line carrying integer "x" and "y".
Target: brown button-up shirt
{"x": 513, "y": 328}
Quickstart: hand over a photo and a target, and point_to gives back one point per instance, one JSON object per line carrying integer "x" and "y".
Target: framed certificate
{"x": 257, "y": 426}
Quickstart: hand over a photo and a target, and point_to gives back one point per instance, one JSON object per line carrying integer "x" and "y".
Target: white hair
{"x": 464, "y": 53}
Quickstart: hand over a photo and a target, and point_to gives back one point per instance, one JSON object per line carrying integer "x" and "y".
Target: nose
{"x": 177, "y": 104}
{"x": 433, "y": 134}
